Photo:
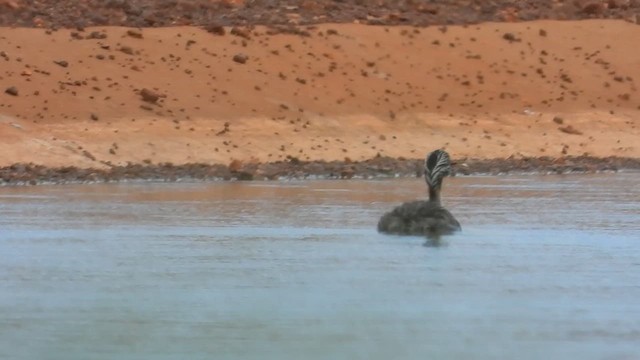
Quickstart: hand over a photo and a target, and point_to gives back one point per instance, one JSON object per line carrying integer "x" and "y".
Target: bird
{"x": 424, "y": 217}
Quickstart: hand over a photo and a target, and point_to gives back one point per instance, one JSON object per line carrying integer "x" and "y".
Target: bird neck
{"x": 434, "y": 194}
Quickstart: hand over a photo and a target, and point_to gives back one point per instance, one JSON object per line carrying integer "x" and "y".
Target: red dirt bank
{"x": 104, "y": 97}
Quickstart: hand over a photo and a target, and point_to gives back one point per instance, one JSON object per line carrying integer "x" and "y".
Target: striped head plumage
{"x": 436, "y": 166}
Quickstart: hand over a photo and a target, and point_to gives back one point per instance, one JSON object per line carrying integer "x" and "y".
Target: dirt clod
{"x": 149, "y": 96}
{"x": 12, "y": 90}
{"x": 240, "y": 58}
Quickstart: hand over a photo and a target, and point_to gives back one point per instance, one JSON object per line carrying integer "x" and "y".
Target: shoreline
{"x": 374, "y": 168}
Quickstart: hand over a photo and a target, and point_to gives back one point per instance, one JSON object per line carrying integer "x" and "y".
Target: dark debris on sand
{"x": 214, "y": 13}
{"x": 379, "y": 167}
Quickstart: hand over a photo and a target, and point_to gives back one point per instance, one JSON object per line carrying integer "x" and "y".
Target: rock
{"x": 243, "y": 33}
{"x": 127, "y": 50}
{"x": 235, "y": 165}
{"x": 75, "y": 35}
{"x": 570, "y": 130}
{"x": 62, "y": 63}
{"x": 88, "y": 155}
{"x": 510, "y": 37}
{"x": 94, "y": 117}
{"x": 96, "y": 35}
{"x": 10, "y": 4}
{"x": 240, "y": 58}
{"x": 594, "y": 8}
{"x": 244, "y": 176}
{"x": 12, "y": 90}
{"x": 347, "y": 173}
{"x": 149, "y": 96}
{"x": 223, "y": 131}
{"x": 137, "y": 34}
{"x": 558, "y": 120}
{"x": 215, "y": 29}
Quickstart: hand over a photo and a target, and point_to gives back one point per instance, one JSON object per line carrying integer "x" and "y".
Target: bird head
{"x": 437, "y": 165}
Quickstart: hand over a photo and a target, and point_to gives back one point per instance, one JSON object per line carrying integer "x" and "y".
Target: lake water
{"x": 547, "y": 267}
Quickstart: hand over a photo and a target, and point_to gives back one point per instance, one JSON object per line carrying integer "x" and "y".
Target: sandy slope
{"x": 347, "y": 91}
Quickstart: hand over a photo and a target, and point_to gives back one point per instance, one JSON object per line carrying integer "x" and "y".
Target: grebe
{"x": 422, "y": 217}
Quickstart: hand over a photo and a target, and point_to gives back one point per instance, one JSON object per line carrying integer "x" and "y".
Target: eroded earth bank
{"x": 296, "y": 93}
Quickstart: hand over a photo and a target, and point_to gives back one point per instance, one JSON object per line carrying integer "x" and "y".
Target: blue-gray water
{"x": 545, "y": 268}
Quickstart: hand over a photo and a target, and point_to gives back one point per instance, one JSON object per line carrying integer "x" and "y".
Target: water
{"x": 545, "y": 268}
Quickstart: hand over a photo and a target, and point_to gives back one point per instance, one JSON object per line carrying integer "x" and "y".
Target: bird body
{"x": 424, "y": 217}
{"x": 420, "y": 217}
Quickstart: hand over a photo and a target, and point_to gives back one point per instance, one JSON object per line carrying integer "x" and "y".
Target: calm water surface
{"x": 545, "y": 268}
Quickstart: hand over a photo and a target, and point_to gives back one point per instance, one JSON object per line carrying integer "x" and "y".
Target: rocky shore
{"x": 215, "y": 13}
{"x": 380, "y": 167}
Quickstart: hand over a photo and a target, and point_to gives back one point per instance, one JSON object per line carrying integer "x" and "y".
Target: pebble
{"x": 149, "y": 96}
{"x": 12, "y": 90}
{"x": 127, "y": 50}
{"x": 216, "y": 29}
{"x": 134, "y": 34}
{"x": 240, "y": 58}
